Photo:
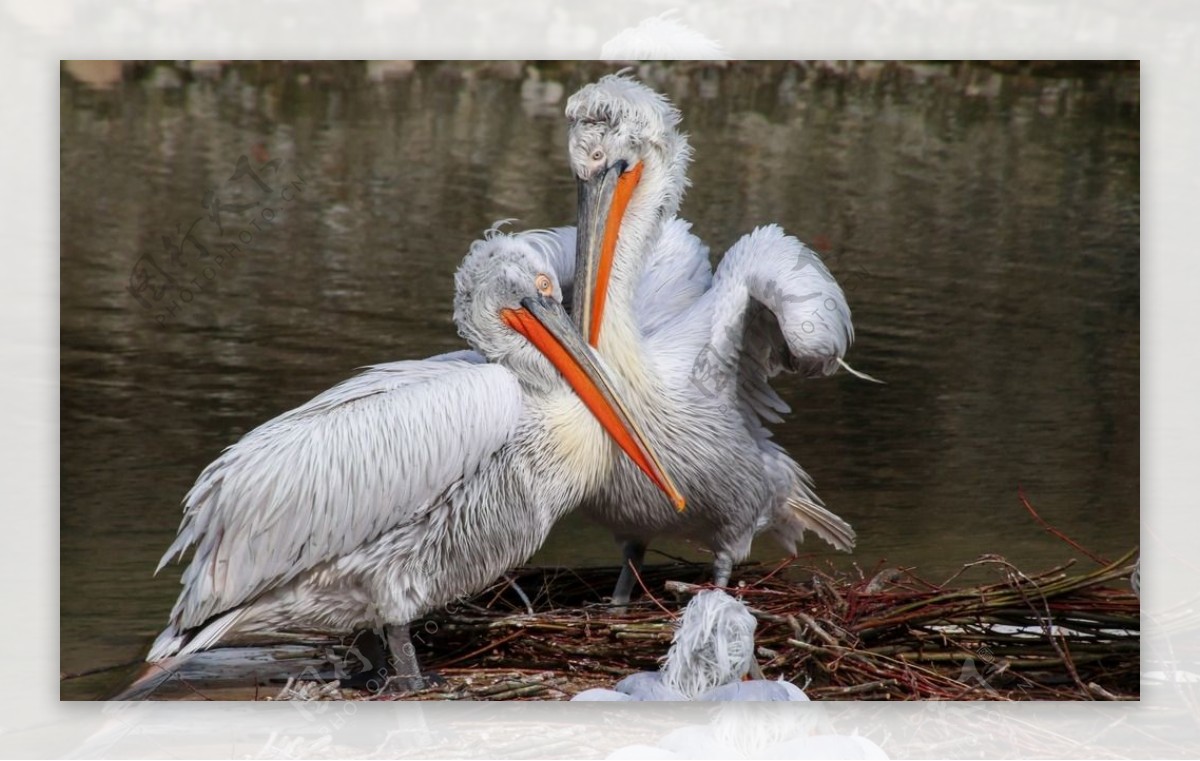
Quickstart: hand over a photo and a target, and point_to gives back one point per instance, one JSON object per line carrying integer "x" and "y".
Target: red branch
{"x": 1042, "y": 522}
{"x": 645, "y": 589}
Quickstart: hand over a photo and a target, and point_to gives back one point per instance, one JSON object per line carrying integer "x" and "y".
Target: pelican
{"x": 413, "y": 483}
{"x": 711, "y": 659}
{"x": 695, "y": 350}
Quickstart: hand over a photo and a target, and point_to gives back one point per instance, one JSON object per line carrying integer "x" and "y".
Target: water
{"x": 985, "y": 226}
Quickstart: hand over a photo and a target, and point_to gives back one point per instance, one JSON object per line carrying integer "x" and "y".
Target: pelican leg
{"x": 632, "y": 554}
{"x": 367, "y": 661}
{"x": 407, "y": 676}
{"x": 722, "y": 569}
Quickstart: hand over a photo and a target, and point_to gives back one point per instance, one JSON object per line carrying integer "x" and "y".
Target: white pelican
{"x": 695, "y": 356}
{"x": 415, "y": 482}
{"x": 711, "y": 659}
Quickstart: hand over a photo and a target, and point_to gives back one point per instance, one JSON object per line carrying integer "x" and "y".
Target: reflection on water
{"x": 985, "y": 226}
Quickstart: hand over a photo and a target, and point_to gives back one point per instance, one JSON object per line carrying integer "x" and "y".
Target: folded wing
{"x": 332, "y": 474}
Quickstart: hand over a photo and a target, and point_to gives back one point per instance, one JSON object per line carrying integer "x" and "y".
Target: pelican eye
{"x": 597, "y": 155}
{"x": 543, "y": 285}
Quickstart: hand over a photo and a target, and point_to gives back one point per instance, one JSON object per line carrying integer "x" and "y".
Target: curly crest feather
{"x": 628, "y": 107}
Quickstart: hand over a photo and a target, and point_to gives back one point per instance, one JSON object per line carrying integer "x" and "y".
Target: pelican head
{"x": 630, "y": 161}
{"x": 499, "y": 273}
{"x": 508, "y": 306}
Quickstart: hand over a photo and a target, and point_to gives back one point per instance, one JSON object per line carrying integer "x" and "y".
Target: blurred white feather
{"x": 662, "y": 37}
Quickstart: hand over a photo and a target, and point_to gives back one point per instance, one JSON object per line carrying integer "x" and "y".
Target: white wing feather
{"x": 808, "y": 328}
{"x": 322, "y": 479}
{"x": 776, "y": 307}
{"x": 677, "y": 273}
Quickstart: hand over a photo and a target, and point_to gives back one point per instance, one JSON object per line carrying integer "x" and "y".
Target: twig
{"x": 1014, "y": 577}
{"x": 1042, "y": 522}
{"x": 787, "y": 562}
{"x": 185, "y": 683}
{"x": 684, "y": 588}
{"x": 485, "y": 648}
{"x": 677, "y": 559}
{"x": 519, "y": 692}
{"x": 642, "y": 584}
{"x": 858, "y": 689}
{"x": 825, "y": 636}
{"x": 1098, "y": 690}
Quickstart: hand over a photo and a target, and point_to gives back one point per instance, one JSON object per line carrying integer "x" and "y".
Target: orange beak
{"x": 603, "y": 200}
{"x": 545, "y": 324}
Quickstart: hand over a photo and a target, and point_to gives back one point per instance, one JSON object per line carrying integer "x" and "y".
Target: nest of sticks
{"x": 1061, "y": 634}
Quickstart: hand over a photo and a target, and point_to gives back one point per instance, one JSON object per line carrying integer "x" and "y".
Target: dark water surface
{"x": 985, "y": 226}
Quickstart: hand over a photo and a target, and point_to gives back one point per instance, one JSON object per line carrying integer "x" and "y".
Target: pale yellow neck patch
{"x": 580, "y": 442}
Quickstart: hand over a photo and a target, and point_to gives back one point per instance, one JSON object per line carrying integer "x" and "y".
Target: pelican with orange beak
{"x": 694, "y": 350}
{"x": 412, "y": 483}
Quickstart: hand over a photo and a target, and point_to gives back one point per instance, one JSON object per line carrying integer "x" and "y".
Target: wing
{"x": 677, "y": 273}
{"x": 322, "y": 479}
{"x": 775, "y": 307}
{"x": 779, "y": 308}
